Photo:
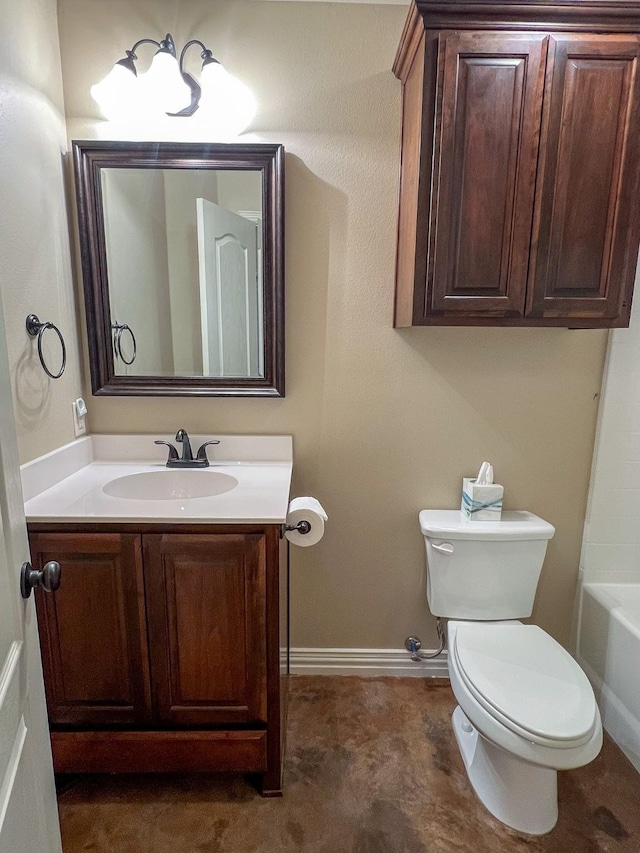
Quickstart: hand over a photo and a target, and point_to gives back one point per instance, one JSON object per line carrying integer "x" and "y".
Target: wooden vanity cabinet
{"x": 520, "y": 164}
{"x": 165, "y": 649}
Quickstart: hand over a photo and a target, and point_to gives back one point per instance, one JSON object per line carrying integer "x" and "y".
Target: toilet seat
{"x": 527, "y": 682}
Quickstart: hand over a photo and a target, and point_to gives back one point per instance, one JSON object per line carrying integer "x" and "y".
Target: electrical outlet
{"x": 79, "y": 416}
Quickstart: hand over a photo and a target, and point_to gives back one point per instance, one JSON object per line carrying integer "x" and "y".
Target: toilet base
{"x": 520, "y": 795}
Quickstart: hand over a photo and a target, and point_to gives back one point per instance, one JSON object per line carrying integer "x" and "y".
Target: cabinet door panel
{"x": 486, "y": 142}
{"x": 585, "y": 228}
{"x": 206, "y": 603}
{"x": 93, "y": 629}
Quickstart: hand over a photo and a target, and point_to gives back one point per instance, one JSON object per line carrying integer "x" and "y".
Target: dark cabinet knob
{"x": 48, "y": 578}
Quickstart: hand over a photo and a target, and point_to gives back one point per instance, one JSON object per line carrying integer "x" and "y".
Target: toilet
{"x": 525, "y": 708}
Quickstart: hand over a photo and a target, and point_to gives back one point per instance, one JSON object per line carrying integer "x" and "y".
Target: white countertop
{"x": 67, "y": 485}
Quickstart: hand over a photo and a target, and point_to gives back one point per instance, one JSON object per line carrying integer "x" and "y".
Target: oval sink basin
{"x": 170, "y": 485}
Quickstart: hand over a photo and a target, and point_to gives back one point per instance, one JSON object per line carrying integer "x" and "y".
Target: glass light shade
{"x": 213, "y": 77}
{"x": 226, "y": 104}
{"x": 117, "y": 93}
{"x": 162, "y": 87}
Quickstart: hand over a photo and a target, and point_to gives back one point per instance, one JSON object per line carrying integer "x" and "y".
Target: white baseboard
{"x": 365, "y": 662}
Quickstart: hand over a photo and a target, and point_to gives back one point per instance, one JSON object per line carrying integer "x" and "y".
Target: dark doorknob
{"x": 48, "y": 578}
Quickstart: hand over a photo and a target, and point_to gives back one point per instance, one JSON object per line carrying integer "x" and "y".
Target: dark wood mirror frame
{"x": 92, "y": 156}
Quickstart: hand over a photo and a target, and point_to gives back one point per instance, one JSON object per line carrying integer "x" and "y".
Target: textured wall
{"x": 385, "y": 422}
{"x": 35, "y": 269}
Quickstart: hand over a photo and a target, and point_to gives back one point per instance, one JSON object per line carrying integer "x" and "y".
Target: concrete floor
{"x": 372, "y": 767}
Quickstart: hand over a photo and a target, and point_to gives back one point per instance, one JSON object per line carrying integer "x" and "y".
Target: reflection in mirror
{"x": 182, "y": 260}
{"x": 184, "y": 265}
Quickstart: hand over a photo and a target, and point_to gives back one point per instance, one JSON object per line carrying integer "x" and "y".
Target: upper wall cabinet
{"x": 520, "y": 164}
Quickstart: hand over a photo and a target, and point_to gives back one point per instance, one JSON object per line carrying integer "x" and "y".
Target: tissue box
{"x": 481, "y": 503}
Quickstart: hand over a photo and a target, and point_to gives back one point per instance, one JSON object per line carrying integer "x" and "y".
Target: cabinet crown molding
{"x": 602, "y": 16}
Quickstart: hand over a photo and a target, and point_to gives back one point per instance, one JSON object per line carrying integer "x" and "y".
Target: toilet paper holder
{"x": 303, "y": 527}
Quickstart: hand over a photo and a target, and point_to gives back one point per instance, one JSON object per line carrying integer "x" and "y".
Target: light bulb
{"x": 163, "y": 87}
{"x": 117, "y": 93}
{"x": 226, "y": 104}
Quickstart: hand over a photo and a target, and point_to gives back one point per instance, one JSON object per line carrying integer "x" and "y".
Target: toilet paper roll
{"x": 310, "y": 510}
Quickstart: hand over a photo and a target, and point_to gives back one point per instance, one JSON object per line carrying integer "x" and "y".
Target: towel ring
{"x": 119, "y": 328}
{"x": 36, "y": 328}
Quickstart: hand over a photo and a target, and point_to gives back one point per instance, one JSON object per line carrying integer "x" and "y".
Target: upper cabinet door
{"x": 207, "y": 627}
{"x": 487, "y": 128}
{"x": 586, "y": 227}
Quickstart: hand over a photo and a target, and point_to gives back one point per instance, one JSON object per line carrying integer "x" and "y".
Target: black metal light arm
{"x": 131, "y": 55}
{"x": 167, "y": 44}
{"x": 196, "y": 90}
{"x": 188, "y": 45}
{"x": 158, "y": 44}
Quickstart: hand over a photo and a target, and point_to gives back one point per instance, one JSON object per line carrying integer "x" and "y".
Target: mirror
{"x": 182, "y": 260}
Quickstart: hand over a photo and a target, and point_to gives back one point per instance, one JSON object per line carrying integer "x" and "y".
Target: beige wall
{"x": 136, "y": 248}
{"x": 385, "y": 422}
{"x": 182, "y": 188}
{"x": 240, "y": 190}
{"x": 35, "y": 271}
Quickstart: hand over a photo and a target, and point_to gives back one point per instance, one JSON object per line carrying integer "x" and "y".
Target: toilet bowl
{"x": 525, "y": 710}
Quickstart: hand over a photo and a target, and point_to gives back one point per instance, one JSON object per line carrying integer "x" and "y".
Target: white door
{"x": 229, "y": 299}
{"x": 28, "y": 812}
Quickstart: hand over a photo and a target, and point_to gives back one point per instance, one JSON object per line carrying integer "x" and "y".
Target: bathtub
{"x": 608, "y": 649}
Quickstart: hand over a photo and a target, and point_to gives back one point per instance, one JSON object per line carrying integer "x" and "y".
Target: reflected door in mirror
{"x": 230, "y": 304}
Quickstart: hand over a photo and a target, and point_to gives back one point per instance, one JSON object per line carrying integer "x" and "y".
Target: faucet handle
{"x": 202, "y": 453}
{"x": 173, "y": 453}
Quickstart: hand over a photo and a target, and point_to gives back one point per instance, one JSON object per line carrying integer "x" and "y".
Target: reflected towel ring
{"x": 119, "y": 328}
{"x": 35, "y": 327}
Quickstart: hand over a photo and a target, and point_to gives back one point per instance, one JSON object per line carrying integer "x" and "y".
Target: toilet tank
{"x": 483, "y": 570}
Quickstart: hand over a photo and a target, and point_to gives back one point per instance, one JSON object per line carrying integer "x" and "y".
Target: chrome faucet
{"x": 187, "y": 460}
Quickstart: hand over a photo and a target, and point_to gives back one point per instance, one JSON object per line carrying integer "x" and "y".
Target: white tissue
{"x": 485, "y": 475}
{"x": 306, "y": 509}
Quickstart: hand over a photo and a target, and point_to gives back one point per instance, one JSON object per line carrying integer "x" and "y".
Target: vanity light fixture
{"x": 167, "y": 88}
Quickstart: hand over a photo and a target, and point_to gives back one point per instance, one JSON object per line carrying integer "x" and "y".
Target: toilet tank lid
{"x": 515, "y": 524}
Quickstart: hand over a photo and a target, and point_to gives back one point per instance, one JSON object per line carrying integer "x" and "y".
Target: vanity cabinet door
{"x": 93, "y": 630}
{"x": 206, "y": 603}
{"x": 586, "y": 227}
